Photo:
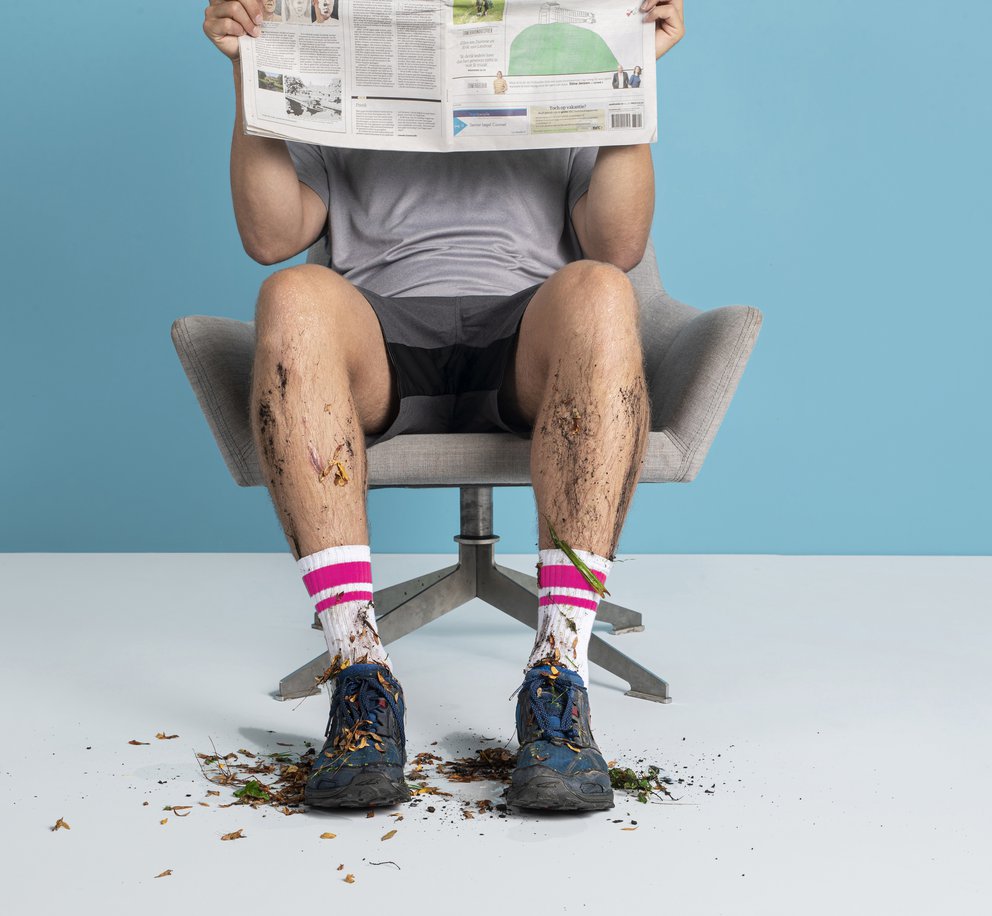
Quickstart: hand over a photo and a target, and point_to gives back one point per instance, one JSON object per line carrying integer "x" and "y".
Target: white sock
{"x": 566, "y": 609}
{"x": 339, "y": 580}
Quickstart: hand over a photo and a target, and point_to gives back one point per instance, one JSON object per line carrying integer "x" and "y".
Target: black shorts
{"x": 449, "y": 354}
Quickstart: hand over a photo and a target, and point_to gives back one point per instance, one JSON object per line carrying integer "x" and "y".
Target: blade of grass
{"x": 594, "y": 583}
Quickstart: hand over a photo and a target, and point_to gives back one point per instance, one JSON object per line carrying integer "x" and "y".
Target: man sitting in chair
{"x": 467, "y": 292}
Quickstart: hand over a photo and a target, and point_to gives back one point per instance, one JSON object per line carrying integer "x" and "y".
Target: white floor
{"x": 838, "y": 707}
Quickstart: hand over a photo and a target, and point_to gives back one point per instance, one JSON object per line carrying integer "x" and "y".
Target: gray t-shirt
{"x": 447, "y": 224}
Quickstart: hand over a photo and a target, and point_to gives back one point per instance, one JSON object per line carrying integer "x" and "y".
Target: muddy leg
{"x": 578, "y": 378}
{"x": 321, "y": 378}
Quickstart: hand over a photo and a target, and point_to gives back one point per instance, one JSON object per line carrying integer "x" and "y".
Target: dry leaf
{"x": 164, "y": 820}
{"x": 165, "y": 874}
{"x": 328, "y": 836}
{"x": 340, "y": 867}
{"x": 467, "y": 814}
{"x": 389, "y": 836}
{"x": 237, "y": 835}
{"x": 205, "y": 804}
{"x": 628, "y": 828}
{"x": 162, "y": 736}
{"x": 212, "y": 792}
{"x": 349, "y": 879}
{"x": 370, "y": 814}
{"x": 132, "y": 741}
{"x": 60, "y": 825}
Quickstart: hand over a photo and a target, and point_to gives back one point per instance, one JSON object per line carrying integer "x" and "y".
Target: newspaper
{"x": 447, "y": 75}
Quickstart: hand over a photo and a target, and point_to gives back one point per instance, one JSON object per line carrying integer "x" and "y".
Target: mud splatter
{"x": 577, "y": 426}
{"x": 634, "y": 402}
{"x": 266, "y": 430}
{"x": 283, "y": 380}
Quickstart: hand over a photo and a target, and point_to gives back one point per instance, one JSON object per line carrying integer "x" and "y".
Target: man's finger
{"x": 219, "y": 29}
{"x": 233, "y": 9}
{"x": 666, "y": 11}
{"x": 649, "y": 5}
{"x": 252, "y": 9}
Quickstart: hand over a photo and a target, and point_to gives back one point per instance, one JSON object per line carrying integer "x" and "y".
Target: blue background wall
{"x": 827, "y": 164}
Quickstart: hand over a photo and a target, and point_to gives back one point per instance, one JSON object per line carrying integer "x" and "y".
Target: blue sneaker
{"x": 559, "y": 766}
{"x": 361, "y": 763}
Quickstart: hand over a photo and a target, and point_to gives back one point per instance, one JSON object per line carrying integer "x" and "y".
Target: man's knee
{"x": 596, "y": 292}
{"x": 296, "y": 299}
{"x": 594, "y": 315}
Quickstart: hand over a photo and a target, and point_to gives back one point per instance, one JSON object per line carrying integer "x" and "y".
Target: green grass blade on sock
{"x": 594, "y": 583}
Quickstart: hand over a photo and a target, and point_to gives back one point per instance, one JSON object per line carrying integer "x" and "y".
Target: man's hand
{"x": 224, "y": 21}
{"x": 669, "y": 23}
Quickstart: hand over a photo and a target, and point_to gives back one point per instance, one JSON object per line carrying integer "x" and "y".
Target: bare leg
{"x": 320, "y": 381}
{"x": 577, "y": 378}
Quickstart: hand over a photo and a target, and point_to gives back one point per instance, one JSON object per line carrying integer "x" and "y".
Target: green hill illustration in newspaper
{"x": 554, "y": 48}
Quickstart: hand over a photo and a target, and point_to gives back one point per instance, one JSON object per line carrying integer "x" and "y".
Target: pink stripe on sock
{"x": 588, "y": 603}
{"x": 341, "y": 598}
{"x": 565, "y": 577}
{"x": 337, "y": 574}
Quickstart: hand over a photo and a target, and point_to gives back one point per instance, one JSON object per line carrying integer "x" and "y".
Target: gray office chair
{"x": 693, "y": 361}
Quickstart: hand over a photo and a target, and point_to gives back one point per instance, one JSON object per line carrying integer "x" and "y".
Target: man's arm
{"x": 613, "y": 218}
{"x": 277, "y": 215}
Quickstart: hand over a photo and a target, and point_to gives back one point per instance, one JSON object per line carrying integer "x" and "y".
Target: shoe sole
{"x": 549, "y": 792}
{"x": 366, "y": 790}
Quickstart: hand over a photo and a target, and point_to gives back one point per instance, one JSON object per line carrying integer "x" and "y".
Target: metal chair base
{"x": 407, "y": 606}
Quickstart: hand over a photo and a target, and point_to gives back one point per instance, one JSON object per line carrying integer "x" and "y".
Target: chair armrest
{"x": 692, "y": 383}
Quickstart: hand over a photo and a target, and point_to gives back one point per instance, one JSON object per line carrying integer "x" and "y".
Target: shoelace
{"x": 356, "y": 700}
{"x": 548, "y": 713}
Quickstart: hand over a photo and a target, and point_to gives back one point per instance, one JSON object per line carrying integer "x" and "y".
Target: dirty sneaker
{"x": 559, "y": 766}
{"x": 361, "y": 763}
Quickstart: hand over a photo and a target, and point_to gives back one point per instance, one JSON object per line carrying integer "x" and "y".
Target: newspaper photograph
{"x": 447, "y": 75}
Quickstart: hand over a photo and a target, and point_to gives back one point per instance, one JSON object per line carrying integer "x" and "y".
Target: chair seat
{"x": 487, "y": 459}
{"x": 693, "y": 361}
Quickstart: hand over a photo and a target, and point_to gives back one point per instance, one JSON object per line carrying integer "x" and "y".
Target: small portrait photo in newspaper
{"x": 325, "y": 12}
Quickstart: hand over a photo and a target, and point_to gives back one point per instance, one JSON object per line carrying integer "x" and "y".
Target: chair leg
{"x": 421, "y": 600}
{"x": 425, "y": 598}
{"x": 514, "y": 594}
{"x": 303, "y": 681}
{"x": 444, "y": 595}
{"x": 622, "y": 619}
{"x": 391, "y": 597}
{"x": 642, "y": 683}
